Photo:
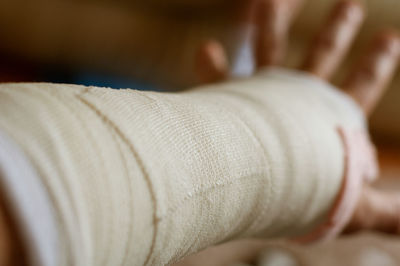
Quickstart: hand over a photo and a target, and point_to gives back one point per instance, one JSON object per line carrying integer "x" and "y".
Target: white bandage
{"x": 146, "y": 178}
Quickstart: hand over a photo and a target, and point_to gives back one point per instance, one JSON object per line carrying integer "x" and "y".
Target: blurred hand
{"x": 366, "y": 82}
{"x": 155, "y": 41}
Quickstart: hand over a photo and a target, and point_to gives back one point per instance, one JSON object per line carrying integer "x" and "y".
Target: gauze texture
{"x": 145, "y": 178}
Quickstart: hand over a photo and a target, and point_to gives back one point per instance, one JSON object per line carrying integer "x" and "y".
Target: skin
{"x": 366, "y": 83}
{"x": 372, "y": 74}
{"x": 272, "y": 19}
{"x": 333, "y": 40}
{"x": 211, "y": 62}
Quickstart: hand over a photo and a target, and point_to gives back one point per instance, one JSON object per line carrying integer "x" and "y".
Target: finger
{"x": 272, "y": 22}
{"x": 294, "y": 7}
{"x": 376, "y": 210}
{"x": 211, "y": 64}
{"x": 368, "y": 80}
{"x": 334, "y": 39}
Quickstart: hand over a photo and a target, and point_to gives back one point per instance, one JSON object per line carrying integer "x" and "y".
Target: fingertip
{"x": 211, "y": 64}
{"x": 388, "y": 40}
{"x": 352, "y": 7}
{"x": 349, "y": 10}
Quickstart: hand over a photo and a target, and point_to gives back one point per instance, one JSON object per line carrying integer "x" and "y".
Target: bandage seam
{"x": 141, "y": 166}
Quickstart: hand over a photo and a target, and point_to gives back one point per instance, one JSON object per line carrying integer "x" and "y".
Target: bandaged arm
{"x": 122, "y": 177}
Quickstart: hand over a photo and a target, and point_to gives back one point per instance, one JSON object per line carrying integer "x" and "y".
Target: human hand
{"x": 366, "y": 82}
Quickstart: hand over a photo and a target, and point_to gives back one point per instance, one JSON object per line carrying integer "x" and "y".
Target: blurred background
{"x": 152, "y": 44}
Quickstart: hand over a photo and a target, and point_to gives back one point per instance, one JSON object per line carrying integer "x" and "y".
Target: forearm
{"x": 141, "y": 178}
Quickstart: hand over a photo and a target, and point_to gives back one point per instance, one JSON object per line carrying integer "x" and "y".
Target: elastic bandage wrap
{"x": 145, "y": 178}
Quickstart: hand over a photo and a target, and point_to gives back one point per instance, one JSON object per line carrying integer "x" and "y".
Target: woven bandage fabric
{"x": 145, "y": 178}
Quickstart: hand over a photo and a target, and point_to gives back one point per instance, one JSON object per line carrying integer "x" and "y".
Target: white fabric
{"x": 146, "y": 178}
